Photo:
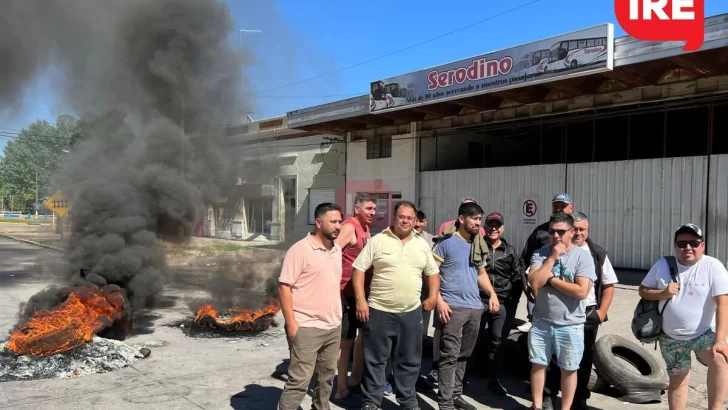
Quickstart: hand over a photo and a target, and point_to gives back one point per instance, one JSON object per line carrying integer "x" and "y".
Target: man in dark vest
{"x": 597, "y": 305}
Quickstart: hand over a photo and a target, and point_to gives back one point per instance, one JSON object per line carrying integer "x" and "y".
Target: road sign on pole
{"x": 58, "y": 204}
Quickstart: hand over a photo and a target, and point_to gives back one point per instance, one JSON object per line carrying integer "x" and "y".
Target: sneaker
{"x": 368, "y": 406}
{"x": 388, "y": 389}
{"x": 497, "y": 388}
{"x": 432, "y": 377}
{"x": 533, "y": 407}
{"x": 460, "y": 404}
{"x": 525, "y": 327}
{"x": 348, "y": 402}
{"x": 423, "y": 386}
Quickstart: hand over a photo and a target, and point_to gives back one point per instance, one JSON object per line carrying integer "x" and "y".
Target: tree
{"x": 37, "y": 148}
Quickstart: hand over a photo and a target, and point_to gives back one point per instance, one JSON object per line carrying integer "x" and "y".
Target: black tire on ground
{"x": 645, "y": 385}
{"x": 597, "y": 382}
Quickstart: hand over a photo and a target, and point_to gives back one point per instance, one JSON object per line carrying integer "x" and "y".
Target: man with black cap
{"x": 699, "y": 296}
{"x": 508, "y": 277}
{"x": 538, "y": 239}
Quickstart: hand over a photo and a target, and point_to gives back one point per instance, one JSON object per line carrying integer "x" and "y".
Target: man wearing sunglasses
{"x": 562, "y": 276}
{"x": 537, "y": 240}
{"x": 699, "y": 296}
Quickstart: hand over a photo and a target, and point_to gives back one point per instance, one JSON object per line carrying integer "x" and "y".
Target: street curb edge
{"x": 29, "y": 242}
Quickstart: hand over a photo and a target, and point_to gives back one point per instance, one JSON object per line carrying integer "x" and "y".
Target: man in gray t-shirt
{"x": 553, "y": 306}
{"x": 561, "y": 275}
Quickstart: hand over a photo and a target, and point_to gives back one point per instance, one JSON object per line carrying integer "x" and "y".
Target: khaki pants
{"x": 312, "y": 350}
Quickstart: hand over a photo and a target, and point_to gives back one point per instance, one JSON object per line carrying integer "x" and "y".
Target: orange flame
{"x": 71, "y": 324}
{"x": 240, "y": 319}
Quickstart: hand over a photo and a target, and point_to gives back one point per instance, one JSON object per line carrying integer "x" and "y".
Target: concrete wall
{"x": 396, "y": 174}
{"x": 313, "y": 165}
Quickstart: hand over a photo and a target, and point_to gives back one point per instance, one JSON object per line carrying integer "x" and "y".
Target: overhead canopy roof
{"x": 636, "y": 64}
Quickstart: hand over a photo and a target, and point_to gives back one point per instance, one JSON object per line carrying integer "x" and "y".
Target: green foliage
{"x": 38, "y": 147}
{"x": 212, "y": 250}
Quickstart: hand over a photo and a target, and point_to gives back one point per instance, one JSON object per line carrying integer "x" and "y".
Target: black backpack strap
{"x": 672, "y": 265}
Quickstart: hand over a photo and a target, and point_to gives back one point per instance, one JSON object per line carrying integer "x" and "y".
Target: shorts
{"x": 349, "y": 322}
{"x": 676, "y": 353}
{"x": 567, "y": 341}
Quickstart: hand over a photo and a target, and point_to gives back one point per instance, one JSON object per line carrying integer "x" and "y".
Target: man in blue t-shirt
{"x": 459, "y": 306}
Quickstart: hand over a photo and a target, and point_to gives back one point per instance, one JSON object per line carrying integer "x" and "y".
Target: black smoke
{"x": 153, "y": 81}
{"x": 247, "y": 280}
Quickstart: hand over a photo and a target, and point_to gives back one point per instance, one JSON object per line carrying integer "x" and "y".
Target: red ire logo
{"x": 663, "y": 20}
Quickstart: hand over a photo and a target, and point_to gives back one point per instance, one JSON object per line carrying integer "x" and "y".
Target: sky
{"x": 349, "y": 44}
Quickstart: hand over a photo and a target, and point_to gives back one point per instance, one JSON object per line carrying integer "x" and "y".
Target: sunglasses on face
{"x": 684, "y": 244}
{"x": 561, "y": 232}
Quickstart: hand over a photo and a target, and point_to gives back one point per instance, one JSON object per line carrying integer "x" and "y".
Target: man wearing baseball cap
{"x": 538, "y": 239}
{"x": 700, "y": 294}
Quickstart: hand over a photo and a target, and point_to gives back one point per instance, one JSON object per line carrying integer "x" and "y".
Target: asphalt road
{"x": 212, "y": 373}
{"x": 22, "y": 268}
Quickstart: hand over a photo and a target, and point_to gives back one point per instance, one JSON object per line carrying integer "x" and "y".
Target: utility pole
{"x": 242, "y": 71}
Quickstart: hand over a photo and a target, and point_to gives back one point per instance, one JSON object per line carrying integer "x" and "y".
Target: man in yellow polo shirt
{"x": 392, "y": 317}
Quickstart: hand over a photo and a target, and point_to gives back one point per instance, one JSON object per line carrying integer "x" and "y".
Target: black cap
{"x": 689, "y": 228}
{"x": 494, "y": 216}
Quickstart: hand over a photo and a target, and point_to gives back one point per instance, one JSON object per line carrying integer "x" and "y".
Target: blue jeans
{"x": 567, "y": 342}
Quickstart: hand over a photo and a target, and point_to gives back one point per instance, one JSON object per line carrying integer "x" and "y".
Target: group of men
{"x": 343, "y": 289}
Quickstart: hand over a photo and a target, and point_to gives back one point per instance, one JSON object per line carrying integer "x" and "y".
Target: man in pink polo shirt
{"x": 311, "y": 305}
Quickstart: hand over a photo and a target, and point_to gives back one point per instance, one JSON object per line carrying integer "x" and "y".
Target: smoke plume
{"x": 153, "y": 82}
{"x": 247, "y": 281}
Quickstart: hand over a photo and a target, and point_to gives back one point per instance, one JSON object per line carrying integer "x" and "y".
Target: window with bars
{"x": 379, "y": 147}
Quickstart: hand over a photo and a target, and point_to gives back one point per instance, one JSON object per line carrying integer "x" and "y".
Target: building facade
{"x": 279, "y": 176}
{"x": 640, "y": 144}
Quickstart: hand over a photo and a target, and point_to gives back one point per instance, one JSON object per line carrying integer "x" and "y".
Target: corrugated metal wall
{"x": 495, "y": 189}
{"x": 634, "y": 207}
{"x": 717, "y": 227}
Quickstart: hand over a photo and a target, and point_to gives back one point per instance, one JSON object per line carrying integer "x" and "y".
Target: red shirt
{"x": 349, "y": 255}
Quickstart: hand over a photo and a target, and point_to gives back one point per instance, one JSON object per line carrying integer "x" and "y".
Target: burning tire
{"x": 237, "y": 319}
{"x": 71, "y": 324}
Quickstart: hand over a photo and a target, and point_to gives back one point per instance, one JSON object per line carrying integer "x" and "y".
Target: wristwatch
{"x": 548, "y": 281}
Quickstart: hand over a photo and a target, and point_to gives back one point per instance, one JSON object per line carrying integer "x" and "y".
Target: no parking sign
{"x": 529, "y": 212}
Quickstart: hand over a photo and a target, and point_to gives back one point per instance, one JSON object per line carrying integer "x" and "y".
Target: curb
{"x": 29, "y": 242}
